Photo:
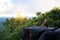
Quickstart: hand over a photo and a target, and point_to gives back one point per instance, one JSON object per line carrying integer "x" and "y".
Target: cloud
{"x": 27, "y": 8}
{"x": 5, "y": 5}
{"x": 45, "y": 5}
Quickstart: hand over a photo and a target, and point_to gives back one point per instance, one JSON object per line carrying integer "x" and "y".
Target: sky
{"x": 10, "y": 8}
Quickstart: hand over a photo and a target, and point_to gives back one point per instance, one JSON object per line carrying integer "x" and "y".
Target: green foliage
{"x": 38, "y": 13}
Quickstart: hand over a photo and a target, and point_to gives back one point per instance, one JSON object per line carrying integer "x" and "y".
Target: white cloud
{"x": 28, "y": 9}
{"x": 5, "y": 5}
{"x": 22, "y": 8}
{"x": 45, "y": 5}
{"x": 8, "y": 15}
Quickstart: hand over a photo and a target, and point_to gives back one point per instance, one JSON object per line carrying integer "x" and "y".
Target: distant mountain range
{"x": 2, "y": 19}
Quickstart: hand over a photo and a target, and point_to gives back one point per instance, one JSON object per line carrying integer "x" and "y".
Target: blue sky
{"x": 27, "y": 8}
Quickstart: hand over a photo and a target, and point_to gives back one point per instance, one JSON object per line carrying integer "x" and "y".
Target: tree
{"x": 38, "y": 13}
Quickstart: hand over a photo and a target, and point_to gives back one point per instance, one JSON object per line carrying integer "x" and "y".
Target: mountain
{"x": 2, "y": 19}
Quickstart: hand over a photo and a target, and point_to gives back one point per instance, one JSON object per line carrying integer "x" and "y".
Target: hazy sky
{"x": 26, "y": 7}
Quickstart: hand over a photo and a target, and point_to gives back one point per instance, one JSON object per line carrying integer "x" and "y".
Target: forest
{"x": 14, "y": 26}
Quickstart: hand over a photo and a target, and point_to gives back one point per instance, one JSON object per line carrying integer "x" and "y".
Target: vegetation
{"x": 14, "y": 26}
